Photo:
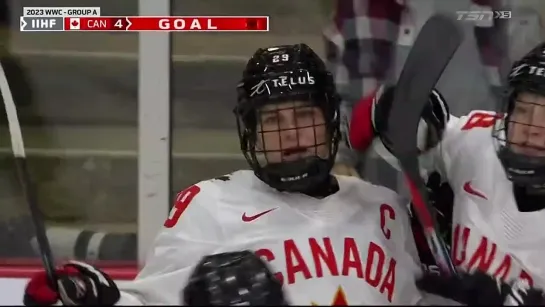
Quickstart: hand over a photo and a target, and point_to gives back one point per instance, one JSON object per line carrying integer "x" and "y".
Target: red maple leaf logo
{"x": 338, "y": 300}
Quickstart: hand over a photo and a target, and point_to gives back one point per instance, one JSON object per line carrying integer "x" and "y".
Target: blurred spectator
{"x": 369, "y": 41}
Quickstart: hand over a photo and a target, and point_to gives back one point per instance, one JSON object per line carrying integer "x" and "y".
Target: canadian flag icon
{"x": 74, "y": 23}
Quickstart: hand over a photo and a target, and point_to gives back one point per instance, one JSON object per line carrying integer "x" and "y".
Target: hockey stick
{"x": 434, "y": 47}
{"x": 18, "y": 148}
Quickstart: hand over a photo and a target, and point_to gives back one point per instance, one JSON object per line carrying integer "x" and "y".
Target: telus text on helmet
{"x": 538, "y": 71}
{"x": 532, "y": 70}
{"x": 282, "y": 81}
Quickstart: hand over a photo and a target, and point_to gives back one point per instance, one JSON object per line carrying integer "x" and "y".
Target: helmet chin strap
{"x": 529, "y": 198}
{"x": 317, "y": 181}
{"x": 326, "y": 188}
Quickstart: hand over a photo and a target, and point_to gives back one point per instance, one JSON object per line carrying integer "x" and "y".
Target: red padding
{"x": 25, "y": 268}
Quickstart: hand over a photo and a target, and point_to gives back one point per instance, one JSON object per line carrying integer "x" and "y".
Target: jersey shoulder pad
{"x": 193, "y": 203}
{"x": 478, "y": 120}
{"x": 205, "y": 198}
{"x": 472, "y": 130}
{"x": 369, "y": 192}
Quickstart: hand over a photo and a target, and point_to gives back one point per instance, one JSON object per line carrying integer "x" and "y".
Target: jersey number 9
{"x": 183, "y": 199}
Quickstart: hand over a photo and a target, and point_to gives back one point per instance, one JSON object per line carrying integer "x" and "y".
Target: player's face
{"x": 527, "y": 125}
{"x": 290, "y": 131}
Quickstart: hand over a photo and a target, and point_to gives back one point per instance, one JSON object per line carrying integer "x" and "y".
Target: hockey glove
{"x": 78, "y": 283}
{"x": 480, "y": 289}
{"x": 369, "y": 118}
{"x": 236, "y": 278}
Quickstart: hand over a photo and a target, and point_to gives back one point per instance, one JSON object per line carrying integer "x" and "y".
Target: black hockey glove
{"x": 236, "y": 278}
{"x": 480, "y": 289}
{"x": 79, "y": 284}
{"x": 435, "y": 117}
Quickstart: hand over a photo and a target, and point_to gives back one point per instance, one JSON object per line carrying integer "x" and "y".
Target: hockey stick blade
{"x": 18, "y": 149}
{"x": 435, "y": 45}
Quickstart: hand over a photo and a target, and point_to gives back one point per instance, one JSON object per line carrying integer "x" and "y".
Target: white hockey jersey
{"x": 351, "y": 248}
{"x": 489, "y": 233}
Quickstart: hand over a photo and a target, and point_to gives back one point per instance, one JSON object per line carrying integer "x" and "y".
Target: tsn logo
{"x": 482, "y": 15}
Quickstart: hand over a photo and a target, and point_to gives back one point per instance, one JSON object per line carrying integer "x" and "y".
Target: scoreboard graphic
{"x": 57, "y": 19}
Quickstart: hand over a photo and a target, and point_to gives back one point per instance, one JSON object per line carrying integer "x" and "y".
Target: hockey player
{"x": 495, "y": 164}
{"x": 327, "y": 240}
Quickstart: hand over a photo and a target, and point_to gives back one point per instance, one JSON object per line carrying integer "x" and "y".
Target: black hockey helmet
{"x": 522, "y": 158}
{"x": 282, "y": 84}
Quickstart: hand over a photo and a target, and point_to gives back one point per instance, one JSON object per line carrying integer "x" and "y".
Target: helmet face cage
{"x": 519, "y": 134}
{"x": 287, "y": 117}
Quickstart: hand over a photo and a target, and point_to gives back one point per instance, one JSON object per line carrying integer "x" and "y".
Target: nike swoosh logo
{"x": 469, "y": 189}
{"x": 250, "y": 218}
